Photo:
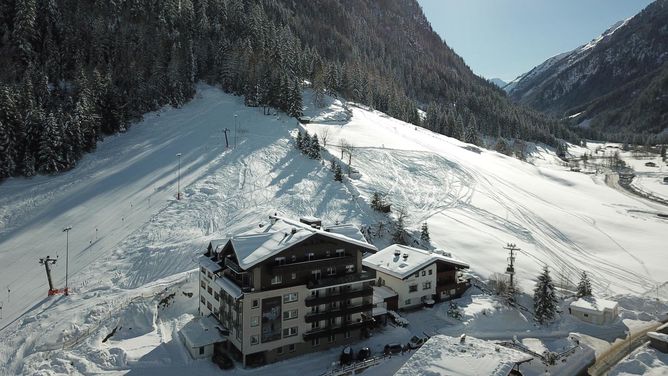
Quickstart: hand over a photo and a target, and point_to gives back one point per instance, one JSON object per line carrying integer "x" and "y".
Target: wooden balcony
{"x": 339, "y": 312}
{"x": 330, "y": 330}
{"x": 319, "y": 263}
{"x": 367, "y": 275}
{"x": 342, "y": 295}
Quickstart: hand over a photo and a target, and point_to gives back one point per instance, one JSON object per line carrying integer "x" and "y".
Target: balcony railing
{"x": 233, "y": 265}
{"x": 366, "y": 275}
{"x": 342, "y": 295}
{"x": 330, "y": 330}
{"x": 342, "y": 311}
{"x": 315, "y": 263}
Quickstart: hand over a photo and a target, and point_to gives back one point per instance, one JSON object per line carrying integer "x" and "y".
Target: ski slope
{"x": 146, "y": 240}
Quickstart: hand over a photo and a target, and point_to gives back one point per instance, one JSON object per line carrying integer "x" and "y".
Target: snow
{"x": 446, "y": 355}
{"x": 348, "y": 230}
{"x": 209, "y": 264}
{"x": 147, "y": 243}
{"x": 401, "y": 267}
{"x": 380, "y": 293}
{"x": 202, "y": 331}
{"x": 230, "y": 287}
{"x": 658, "y": 336}
{"x": 645, "y": 361}
{"x": 594, "y": 304}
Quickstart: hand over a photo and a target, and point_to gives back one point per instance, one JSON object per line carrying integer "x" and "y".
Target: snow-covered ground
{"x": 132, "y": 243}
{"x": 645, "y": 361}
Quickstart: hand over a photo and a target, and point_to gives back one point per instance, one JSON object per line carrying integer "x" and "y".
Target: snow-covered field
{"x": 132, "y": 243}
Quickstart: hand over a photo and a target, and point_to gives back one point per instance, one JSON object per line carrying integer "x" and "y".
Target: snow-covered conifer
{"x": 584, "y": 286}
{"x": 544, "y": 298}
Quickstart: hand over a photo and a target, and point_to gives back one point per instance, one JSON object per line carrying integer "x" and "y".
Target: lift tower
{"x": 47, "y": 262}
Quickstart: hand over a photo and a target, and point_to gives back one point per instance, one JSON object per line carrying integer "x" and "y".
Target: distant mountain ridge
{"x": 618, "y": 82}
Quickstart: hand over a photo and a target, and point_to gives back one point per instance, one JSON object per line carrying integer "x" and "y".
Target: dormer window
{"x": 340, "y": 252}
{"x": 280, "y": 260}
{"x": 310, "y": 256}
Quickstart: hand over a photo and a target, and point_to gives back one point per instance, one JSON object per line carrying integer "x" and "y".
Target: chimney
{"x": 405, "y": 256}
{"x": 294, "y": 230}
{"x": 397, "y": 253}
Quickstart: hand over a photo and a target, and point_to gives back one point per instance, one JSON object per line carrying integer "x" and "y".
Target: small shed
{"x": 385, "y": 297}
{"x": 594, "y": 310}
{"x": 659, "y": 341}
{"x": 200, "y": 335}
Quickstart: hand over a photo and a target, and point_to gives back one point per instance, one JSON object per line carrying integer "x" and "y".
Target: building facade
{"x": 418, "y": 276}
{"x": 288, "y": 288}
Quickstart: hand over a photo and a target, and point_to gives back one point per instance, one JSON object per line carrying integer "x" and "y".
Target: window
{"x": 255, "y": 303}
{"x": 315, "y": 342}
{"x": 327, "y": 254}
{"x": 293, "y": 258}
{"x": 201, "y": 350}
{"x": 310, "y": 256}
{"x": 279, "y": 350}
{"x": 294, "y": 275}
{"x": 209, "y": 290}
{"x": 331, "y": 270}
{"x": 350, "y": 268}
{"x": 346, "y": 335}
{"x": 291, "y": 314}
{"x": 292, "y": 347}
{"x": 216, "y": 296}
{"x": 331, "y": 338}
{"x": 289, "y": 332}
{"x": 417, "y": 274}
{"x": 429, "y": 271}
{"x": 208, "y": 306}
{"x": 277, "y": 279}
{"x": 255, "y": 320}
{"x": 426, "y": 285}
{"x": 203, "y": 270}
{"x": 340, "y": 253}
{"x": 407, "y": 302}
{"x": 316, "y": 274}
{"x": 201, "y": 298}
{"x": 202, "y": 284}
{"x": 412, "y": 288}
{"x": 315, "y": 325}
{"x": 424, "y": 273}
{"x": 280, "y": 260}
{"x": 209, "y": 274}
{"x": 290, "y": 297}
{"x": 585, "y": 315}
{"x": 254, "y": 340}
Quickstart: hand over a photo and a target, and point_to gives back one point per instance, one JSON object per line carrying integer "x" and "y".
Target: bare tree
{"x": 349, "y": 149}
{"x": 324, "y": 134}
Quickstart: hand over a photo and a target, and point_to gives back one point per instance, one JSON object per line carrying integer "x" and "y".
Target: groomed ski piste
{"x": 133, "y": 245}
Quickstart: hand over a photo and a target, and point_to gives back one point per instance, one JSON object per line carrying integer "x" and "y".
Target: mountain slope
{"x": 616, "y": 80}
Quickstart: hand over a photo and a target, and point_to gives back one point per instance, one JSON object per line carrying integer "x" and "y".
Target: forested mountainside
{"x": 74, "y": 71}
{"x": 616, "y": 83}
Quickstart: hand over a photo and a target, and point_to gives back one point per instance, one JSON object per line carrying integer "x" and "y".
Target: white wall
{"x": 401, "y": 287}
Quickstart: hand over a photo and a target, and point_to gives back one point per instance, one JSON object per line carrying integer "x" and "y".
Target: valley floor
{"x": 132, "y": 244}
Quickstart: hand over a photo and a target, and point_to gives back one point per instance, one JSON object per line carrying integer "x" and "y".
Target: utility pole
{"x": 178, "y": 180}
{"x": 510, "y": 270}
{"x": 227, "y": 144}
{"x": 66, "y": 230}
{"x": 235, "y": 130}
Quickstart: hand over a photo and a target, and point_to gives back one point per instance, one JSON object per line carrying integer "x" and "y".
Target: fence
{"x": 352, "y": 369}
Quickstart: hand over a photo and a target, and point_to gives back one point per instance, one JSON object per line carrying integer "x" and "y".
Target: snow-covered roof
{"x": 593, "y": 304}
{"x": 229, "y": 287}
{"x": 260, "y": 244}
{"x": 380, "y": 293}
{"x": 202, "y": 331}
{"x": 209, "y": 264}
{"x": 658, "y": 336}
{"x": 388, "y": 262}
{"x": 444, "y": 355}
{"x": 347, "y": 229}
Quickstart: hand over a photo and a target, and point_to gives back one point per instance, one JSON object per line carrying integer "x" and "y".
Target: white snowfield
{"x": 132, "y": 243}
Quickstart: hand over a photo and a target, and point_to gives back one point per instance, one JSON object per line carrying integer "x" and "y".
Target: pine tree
{"x": 399, "y": 228}
{"x": 338, "y": 174}
{"x": 544, "y": 298}
{"x": 333, "y": 165}
{"x": 7, "y": 165}
{"x": 376, "y": 201}
{"x": 306, "y": 143}
{"x": 314, "y": 150}
{"x": 295, "y": 101}
{"x": 49, "y": 146}
{"x": 24, "y": 28}
{"x": 584, "y": 286}
{"x": 299, "y": 140}
{"x": 424, "y": 233}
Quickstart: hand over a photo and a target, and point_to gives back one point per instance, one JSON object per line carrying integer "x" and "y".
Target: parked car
{"x": 363, "y": 354}
{"x": 346, "y": 355}
{"x": 398, "y": 320}
{"x": 392, "y": 348}
{"x": 417, "y": 342}
{"x": 223, "y": 361}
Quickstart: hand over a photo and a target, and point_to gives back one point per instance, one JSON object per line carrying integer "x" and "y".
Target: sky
{"x": 505, "y": 38}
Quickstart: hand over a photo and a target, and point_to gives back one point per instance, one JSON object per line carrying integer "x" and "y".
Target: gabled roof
{"x": 202, "y": 331}
{"x": 593, "y": 304}
{"x": 258, "y": 245}
{"x": 386, "y": 260}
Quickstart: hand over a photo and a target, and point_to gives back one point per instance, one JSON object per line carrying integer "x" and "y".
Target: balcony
{"x": 345, "y": 279}
{"x": 233, "y": 266}
{"x": 342, "y": 295}
{"x": 319, "y": 263}
{"x": 330, "y": 330}
{"x": 339, "y": 312}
